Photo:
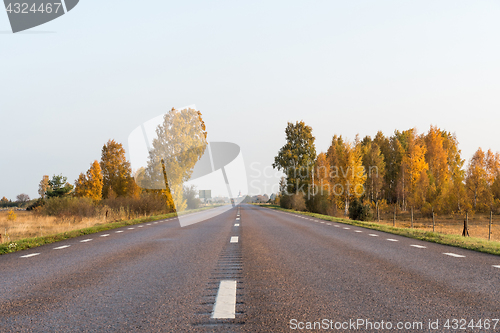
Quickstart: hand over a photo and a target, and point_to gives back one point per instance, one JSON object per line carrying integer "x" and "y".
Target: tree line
{"x": 109, "y": 183}
{"x": 408, "y": 170}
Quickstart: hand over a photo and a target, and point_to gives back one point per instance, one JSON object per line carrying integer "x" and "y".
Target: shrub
{"x": 359, "y": 211}
{"x": 11, "y": 215}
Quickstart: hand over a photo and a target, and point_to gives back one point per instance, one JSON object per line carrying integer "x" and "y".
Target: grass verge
{"x": 469, "y": 243}
{"x": 29, "y": 243}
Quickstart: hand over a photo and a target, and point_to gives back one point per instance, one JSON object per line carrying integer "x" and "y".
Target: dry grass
{"x": 450, "y": 225}
{"x": 28, "y": 224}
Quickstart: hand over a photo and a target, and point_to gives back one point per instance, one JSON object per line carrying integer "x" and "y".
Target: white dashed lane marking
{"x": 118, "y": 231}
{"x": 234, "y": 239}
{"x": 148, "y": 224}
{"x": 419, "y": 246}
{"x": 328, "y": 224}
{"x": 373, "y": 235}
{"x": 105, "y": 235}
{"x": 86, "y": 240}
{"x": 358, "y": 231}
{"x": 225, "y": 303}
{"x": 30, "y": 255}
{"x": 140, "y": 226}
{"x": 130, "y": 228}
{"x": 236, "y": 224}
{"x": 346, "y": 228}
{"x": 496, "y": 266}
{"x": 337, "y": 226}
{"x": 61, "y": 247}
{"x": 454, "y": 255}
{"x": 392, "y": 240}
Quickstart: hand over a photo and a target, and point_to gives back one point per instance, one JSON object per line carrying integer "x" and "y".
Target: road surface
{"x": 248, "y": 269}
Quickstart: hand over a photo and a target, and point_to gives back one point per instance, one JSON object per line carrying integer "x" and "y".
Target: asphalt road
{"x": 280, "y": 272}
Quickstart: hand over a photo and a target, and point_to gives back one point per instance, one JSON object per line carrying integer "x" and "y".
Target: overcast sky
{"x": 344, "y": 67}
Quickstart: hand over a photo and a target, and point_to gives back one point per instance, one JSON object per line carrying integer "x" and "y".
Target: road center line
{"x": 419, "y": 246}
{"x": 236, "y": 224}
{"x": 61, "y": 247}
{"x": 30, "y": 255}
{"x": 454, "y": 255}
{"x": 234, "y": 239}
{"x": 225, "y": 302}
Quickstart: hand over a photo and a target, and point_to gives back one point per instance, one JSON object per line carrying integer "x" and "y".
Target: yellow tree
{"x": 480, "y": 178}
{"x": 90, "y": 185}
{"x": 116, "y": 171}
{"x": 437, "y": 159}
{"x": 180, "y": 141}
{"x": 347, "y": 172}
{"x": 413, "y": 168}
{"x": 321, "y": 174}
{"x": 374, "y": 164}
{"x": 456, "y": 196}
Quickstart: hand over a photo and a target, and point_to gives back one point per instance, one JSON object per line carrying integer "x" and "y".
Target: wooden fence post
{"x": 466, "y": 225}
{"x": 394, "y": 219}
{"x": 433, "y": 221}
{"x": 411, "y": 224}
{"x": 489, "y": 227}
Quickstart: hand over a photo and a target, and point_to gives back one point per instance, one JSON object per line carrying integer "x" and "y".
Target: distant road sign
{"x": 205, "y": 194}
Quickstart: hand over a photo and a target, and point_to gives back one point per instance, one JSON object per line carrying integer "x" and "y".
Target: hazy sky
{"x": 344, "y": 67}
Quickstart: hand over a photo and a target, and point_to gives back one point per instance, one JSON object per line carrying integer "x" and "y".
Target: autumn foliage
{"x": 407, "y": 170}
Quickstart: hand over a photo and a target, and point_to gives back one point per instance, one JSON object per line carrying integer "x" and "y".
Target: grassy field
{"x": 447, "y": 231}
{"x": 30, "y": 230}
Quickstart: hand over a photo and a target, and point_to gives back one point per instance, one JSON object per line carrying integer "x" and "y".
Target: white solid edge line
{"x": 236, "y": 224}
{"x": 86, "y": 240}
{"x": 392, "y": 240}
{"x": 61, "y": 247}
{"x": 30, "y": 255}
{"x": 373, "y": 235}
{"x": 454, "y": 255}
{"x": 234, "y": 239}
{"x": 105, "y": 235}
{"x": 419, "y": 246}
{"x": 225, "y": 302}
